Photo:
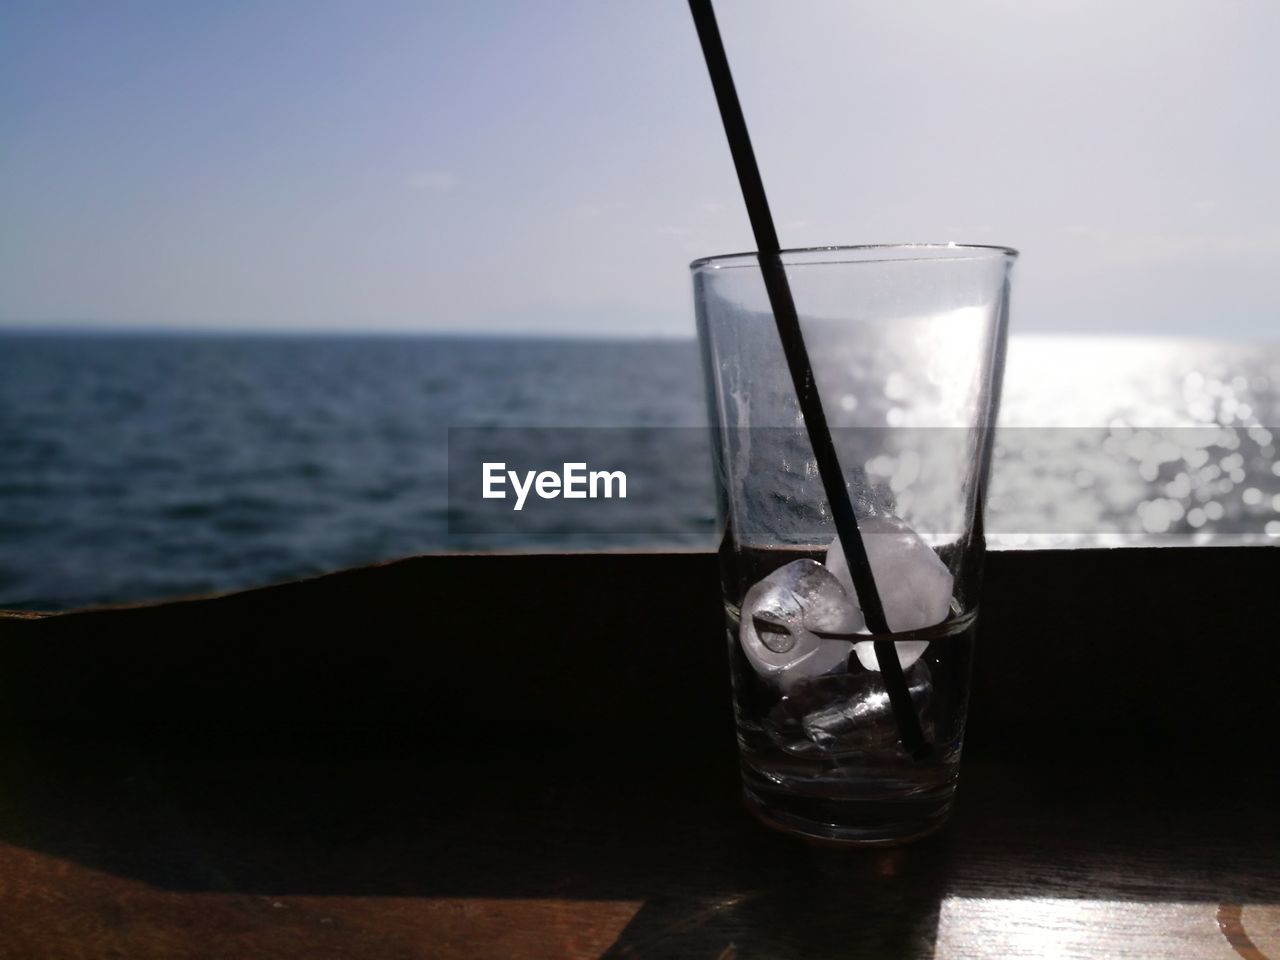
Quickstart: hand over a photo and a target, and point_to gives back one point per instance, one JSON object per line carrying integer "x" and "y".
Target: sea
{"x": 141, "y": 466}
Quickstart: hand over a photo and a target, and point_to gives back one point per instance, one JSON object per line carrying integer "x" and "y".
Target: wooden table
{"x": 318, "y": 770}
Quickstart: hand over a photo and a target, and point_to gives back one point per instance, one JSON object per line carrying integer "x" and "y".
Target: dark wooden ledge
{"x": 531, "y": 756}
{"x": 1074, "y": 643}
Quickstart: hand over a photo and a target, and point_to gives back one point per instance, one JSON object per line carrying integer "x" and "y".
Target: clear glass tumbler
{"x": 906, "y": 345}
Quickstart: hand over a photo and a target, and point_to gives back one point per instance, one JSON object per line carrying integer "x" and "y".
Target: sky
{"x": 552, "y": 167}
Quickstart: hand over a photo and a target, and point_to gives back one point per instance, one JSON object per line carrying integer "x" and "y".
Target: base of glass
{"x": 852, "y": 823}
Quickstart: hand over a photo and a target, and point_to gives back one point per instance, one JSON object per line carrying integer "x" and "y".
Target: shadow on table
{"x": 351, "y": 817}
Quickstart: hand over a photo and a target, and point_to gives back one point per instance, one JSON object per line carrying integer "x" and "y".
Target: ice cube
{"x": 914, "y": 584}
{"x": 779, "y": 614}
{"x": 847, "y": 712}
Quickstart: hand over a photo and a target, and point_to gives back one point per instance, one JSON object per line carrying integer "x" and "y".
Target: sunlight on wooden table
{"x": 1047, "y": 929}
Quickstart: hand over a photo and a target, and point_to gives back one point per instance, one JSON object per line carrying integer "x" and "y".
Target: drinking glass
{"x": 906, "y": 346}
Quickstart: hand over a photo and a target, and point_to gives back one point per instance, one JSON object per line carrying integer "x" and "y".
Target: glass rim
{"x": 864, "y": 253}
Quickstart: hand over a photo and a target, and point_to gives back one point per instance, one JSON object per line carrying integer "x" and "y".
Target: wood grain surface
{"x": 360, "y": 848}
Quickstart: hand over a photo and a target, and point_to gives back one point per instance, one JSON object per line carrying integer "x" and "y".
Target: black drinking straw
{"x": 815, "y": 420}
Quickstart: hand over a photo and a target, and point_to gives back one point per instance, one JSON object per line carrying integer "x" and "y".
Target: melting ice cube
{"x": 914, "y": 585}
{"x": 848, "y": 712}
{"x": 778, "y": 615}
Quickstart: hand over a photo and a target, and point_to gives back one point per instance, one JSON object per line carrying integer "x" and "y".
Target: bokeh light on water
{"x": 1188, "y": 453}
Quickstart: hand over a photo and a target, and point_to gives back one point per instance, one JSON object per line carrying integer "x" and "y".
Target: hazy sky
{"x": 554, "y": 165}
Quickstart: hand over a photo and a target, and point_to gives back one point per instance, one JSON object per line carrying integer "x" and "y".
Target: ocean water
{"x": 138, "y": 467}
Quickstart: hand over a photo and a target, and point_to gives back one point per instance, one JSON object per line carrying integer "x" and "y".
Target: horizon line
{"x": 67, "y": 329}
{"x": 127, "y": 330}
